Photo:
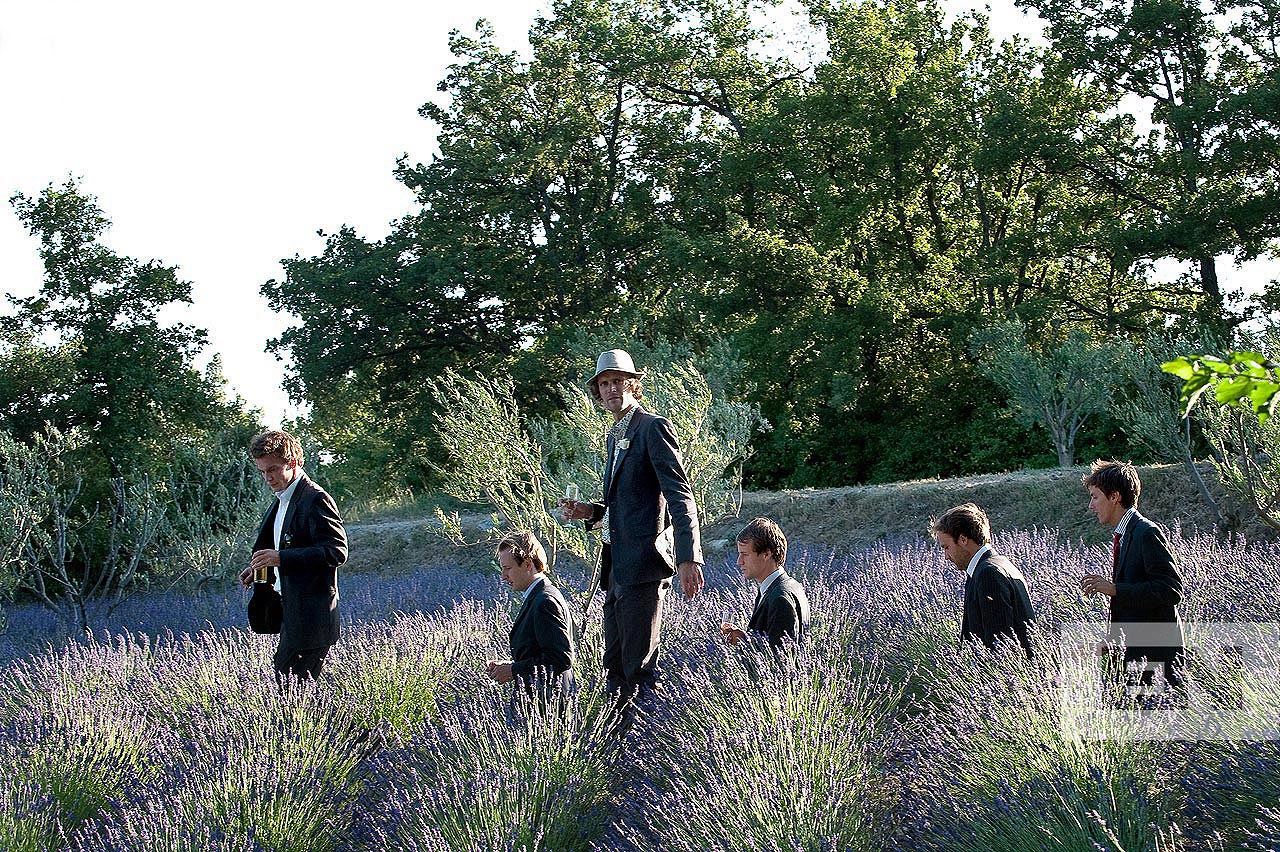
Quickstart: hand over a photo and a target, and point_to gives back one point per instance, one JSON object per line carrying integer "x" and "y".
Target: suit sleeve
{"x": 664, "y": 455}
{"x": 995, "y": 604}
{"x": 1162, "y": 585}
{"x": 597, "y": 517}
{"x": 328, "y": 548}
{"x": 551, "y": 628}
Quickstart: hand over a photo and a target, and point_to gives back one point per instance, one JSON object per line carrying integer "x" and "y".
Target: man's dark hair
{"x": 524, "y": 545}
{"x": 765, "y": 536}
{"x": 276, "y": 443}
{"x": 1115, "y": 477}
{"x": 966, "y": 520}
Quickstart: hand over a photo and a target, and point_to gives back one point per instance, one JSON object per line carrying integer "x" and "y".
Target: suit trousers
{"x": 302, "y": 663}
{"x": 632, "y": 631}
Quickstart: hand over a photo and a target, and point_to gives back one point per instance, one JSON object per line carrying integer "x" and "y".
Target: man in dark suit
{"x": 541, "y": 643}
{"x": 648, "y": 521}
{"x": 299, "y": 547}
{"x": 996, "y": 602}
{"x": 781, "y": 611}
{"x": 1145, "y": 587}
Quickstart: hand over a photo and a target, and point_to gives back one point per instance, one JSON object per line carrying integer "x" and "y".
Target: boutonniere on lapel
{"x": 286, "y": 541}
{"x": 624, "y": 443}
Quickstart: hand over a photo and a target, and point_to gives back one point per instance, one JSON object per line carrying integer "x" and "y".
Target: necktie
{"x": 1115, "y": 552}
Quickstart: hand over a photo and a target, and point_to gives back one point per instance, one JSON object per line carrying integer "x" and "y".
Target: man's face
{"x": 518, "y": 573}
{"x": 615, "y": 391}
{"x": 276, "y": 472}
{"x": 1106, "y": 506}
{"x": 959, "y": 551}
{"x": 755, "y": 566}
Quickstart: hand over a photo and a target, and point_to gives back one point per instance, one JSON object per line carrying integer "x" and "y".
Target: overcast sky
{"x": 220, "y": 137}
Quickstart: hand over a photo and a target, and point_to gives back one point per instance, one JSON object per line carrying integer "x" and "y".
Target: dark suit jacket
{"x": 313, "y": 544}
{"x": 996, "y": 602}
{"x": 540, "y": 636}
{"x": 1148, "y": 591}
{"x": 653, "y": 522}
{"x": 783, "y": 611}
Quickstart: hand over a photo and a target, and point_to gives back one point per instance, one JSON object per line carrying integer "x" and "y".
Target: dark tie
{"x": 755, "y": 606}
{"x": 1115, "y": 553}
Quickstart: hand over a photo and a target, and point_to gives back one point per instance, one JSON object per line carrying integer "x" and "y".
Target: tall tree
{"x": 89, "y": 351}
{"x": 1203, "y": 180}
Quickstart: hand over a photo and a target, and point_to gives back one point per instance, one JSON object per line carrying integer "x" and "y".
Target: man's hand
{"x": 500, "y": 671}
{"x": 732, "y": 635}
{"x": 575, "y": 510}
{"x": 246, "y": 577}
{"x": 1091, "y": 583}
{"x": 265, "y": 559}
{"x": 690, "y": 579}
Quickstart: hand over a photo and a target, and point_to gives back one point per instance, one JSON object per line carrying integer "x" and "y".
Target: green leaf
{"x": 1191, "y": 391}
{"x": 1180, "y": 367}
{"x": 1231, "y": 390}
{"x": 1217, "y": 365}
{"x": 1263, "y": 395}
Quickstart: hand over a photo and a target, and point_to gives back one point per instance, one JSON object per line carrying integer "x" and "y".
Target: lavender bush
{"x": 170, "y": 733}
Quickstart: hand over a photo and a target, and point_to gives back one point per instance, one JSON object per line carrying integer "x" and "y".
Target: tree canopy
{"x": 844, "y": 214}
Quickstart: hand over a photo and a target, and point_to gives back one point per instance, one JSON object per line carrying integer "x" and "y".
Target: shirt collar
{"x": 769, "y": 581}
{"x": 1125, "y": 519}
{"x": 620, "y": 428}
{"x": 977, "y": 557}
{"x": 532, "y": 586}
{"x": 286, "y": 495}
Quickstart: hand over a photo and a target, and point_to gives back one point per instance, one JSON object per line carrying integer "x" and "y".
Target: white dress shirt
{"x": 525, "y": 596}
{"x": 284, "y": 497}
{"x": 977, "y": 557}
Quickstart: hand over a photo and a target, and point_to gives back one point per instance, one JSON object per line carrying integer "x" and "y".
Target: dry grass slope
{"x": 852, "y": 517}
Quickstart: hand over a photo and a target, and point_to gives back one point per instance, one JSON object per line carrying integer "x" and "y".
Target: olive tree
{"x": 1057, "y": 385}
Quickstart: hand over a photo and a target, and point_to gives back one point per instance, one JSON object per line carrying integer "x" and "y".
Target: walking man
{"x": 300, "y": 545}
{"x": 996, "y": 602}
{"x": 1145, "y": 587}
{"x": 649, "y": 524}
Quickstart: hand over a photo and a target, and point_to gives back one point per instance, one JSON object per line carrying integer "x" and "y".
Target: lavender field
{"x": 170, "y": 734}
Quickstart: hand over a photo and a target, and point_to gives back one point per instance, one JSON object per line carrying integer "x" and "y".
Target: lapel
{"x": 1122, "y": 552}
{"x": 293, "y": 508}
{"x": 527, "y": 606}
{"x": 608, "y": 465}
{"x": 616, "y": 467}
{"x": 772, "y": 593}
{"x": 264, "y": 529}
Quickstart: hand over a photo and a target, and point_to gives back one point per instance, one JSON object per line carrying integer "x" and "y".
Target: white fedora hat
{"x": 617, "y": 360}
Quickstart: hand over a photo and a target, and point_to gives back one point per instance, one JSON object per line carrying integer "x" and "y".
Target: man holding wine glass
{"x": 298, "y": 548}
{"x": 649, "y": 523}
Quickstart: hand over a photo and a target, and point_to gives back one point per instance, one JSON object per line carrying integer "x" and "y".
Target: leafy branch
{"x": 1248, "y": 379}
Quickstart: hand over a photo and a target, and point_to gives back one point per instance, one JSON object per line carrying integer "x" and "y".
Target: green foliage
{"x": 495, "y": 461}
{"x": 1201, "y": 182}
{"x": 1244, "y": 437}
{"x": 521, "y": 466}
{"x": 123, "y": 465}
{"x": 1248, "y": 379}
{"x": 1153, "y": 415}
{"x": 89, "y": 352}
{"x": 843, "y": 213}
{"x": 1060, "y": 387}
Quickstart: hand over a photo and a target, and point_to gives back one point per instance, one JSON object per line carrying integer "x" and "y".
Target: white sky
{"x": 220, "y": 137}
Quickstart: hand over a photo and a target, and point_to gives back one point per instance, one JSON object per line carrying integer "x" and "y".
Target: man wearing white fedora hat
{"x": 649, "y": 523}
